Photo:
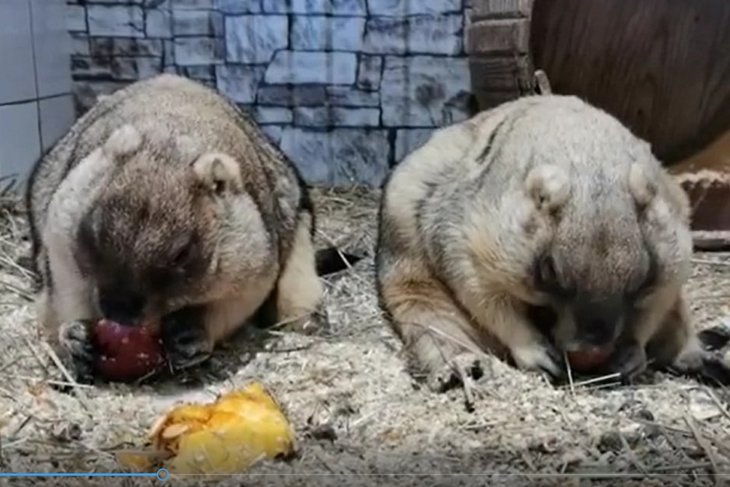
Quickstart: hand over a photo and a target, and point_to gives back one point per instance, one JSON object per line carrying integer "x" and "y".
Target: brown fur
{"x": 168, "y": 196}
{"x": 540, "y": 202}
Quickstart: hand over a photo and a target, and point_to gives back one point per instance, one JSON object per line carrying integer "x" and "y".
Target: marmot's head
{"x": 164, "y": 233}
{"x": 620, "y": 243}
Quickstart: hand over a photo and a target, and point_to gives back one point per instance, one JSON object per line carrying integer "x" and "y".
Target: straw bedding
{"x": 360, "y": 417}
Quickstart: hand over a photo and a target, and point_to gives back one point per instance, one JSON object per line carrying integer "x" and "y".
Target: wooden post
{"x": 497, "y": 42}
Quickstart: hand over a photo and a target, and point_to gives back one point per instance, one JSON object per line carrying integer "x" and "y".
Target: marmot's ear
{"x": 218, "y": 172}
{"x": 642, "y": 189}
{"x": 548, "y": 185}
{"x": 123, "y": 141}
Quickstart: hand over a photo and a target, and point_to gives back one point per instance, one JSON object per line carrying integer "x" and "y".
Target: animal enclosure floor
{"x": 360, "y": 417}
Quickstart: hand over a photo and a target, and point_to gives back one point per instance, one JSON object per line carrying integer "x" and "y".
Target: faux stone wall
{"x": 345, "y": 87}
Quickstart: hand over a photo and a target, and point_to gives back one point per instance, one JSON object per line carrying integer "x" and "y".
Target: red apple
{"x": 585, "y": 361}
{"x": 126, "y": 353}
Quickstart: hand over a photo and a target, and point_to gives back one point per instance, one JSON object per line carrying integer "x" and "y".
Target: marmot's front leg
{"x": 299, "y": 289}
{"x": 506, "y": 319}
{"x": 678, "y": 347}
{"x": 435, "y": 332}
{"x": 657, "y": 336}
{"x": 66, "y": 314}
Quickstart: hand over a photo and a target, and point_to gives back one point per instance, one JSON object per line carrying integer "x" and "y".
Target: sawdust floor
{"x": 349, "y": 376}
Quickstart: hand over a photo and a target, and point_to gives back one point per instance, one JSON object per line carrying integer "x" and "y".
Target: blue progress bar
{"x": 162, "y": 474}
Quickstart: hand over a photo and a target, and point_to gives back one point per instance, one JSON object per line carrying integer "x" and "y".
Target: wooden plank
{"x": 494, "y": 9}
{"x": 510, "y": 36}
{"x": 661, "y": 66}
{"x": 711, "y": 241}
{"x": 499, "y": 73}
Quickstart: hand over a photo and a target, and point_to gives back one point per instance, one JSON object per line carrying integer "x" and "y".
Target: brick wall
{"x": 344, "y": 87}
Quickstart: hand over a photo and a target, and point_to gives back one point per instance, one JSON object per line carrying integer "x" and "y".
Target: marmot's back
{"x": 154, "y": 107}
{"x": 166, "y": 109}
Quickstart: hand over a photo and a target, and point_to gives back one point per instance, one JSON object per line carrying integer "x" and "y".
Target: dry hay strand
{"x": 349, "y": 380}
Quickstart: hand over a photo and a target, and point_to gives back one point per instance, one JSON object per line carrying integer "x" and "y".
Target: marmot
{"x": 544, "y": 202}
{"x": 166, "y": 203}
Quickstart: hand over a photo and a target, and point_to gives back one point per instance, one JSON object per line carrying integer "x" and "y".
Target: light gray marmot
{"x": 541, "y": 204}
{"x": 164, "y": 203}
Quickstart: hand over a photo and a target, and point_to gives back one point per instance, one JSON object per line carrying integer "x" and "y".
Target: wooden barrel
{"x": 660, "y": 66}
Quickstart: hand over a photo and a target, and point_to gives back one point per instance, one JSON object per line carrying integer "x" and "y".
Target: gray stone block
{"x": 238, "y": 6}
{"x": 408, "y": 140}
{"x": 86, "y": 93}
{"x": 168, "y": 55}
{"x": 193, "y": 51}
{"x": 194, "y": 4}
{"x": 273, "y": 132}
{"x": 291, "y": 95}
{"x": 331, "y": 7}
{"x": 118, "y": 2}
{"x": 421, "y": 91}
{"x": 333, "y": 116}
{"x": 80, "y": 45}
{"x": 186, "y": 22}
{"x": 75, "y": 18}
{"x": 115, "y": 68}
{"x": 200, "y": 73}
{"x": 396, "y": 8}
{"x": 369, "y": 72}
{"x": 116, "y": 46}
{"x": 159, "y": 23}
{"x": 319, "y": 33}
{"x": 239, "y": 83}
{"x": 352, "y": 97}
{"x": 252, "y": 39}
{"x": 420, "y": 34}
{"x": 312, "y": 67}
{"x": 115, "y": 20}
{"x": 267, "y": 115}
{"x": 340, "y": 157}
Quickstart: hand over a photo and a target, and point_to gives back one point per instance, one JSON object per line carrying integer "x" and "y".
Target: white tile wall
{"x": 19, "y": 140}
{"x": 36, "y": 105}
{"x": 17, "y": 79}
{"x": 57, "y": 115}
{"x": 51, "y": 42}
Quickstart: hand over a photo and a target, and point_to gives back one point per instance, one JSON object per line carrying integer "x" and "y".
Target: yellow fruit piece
{"x": 227, "y": 436}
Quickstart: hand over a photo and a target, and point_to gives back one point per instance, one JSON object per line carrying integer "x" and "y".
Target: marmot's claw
{"x": 76, "y": 344}
{"x": 540, "y": 357}
{"x": 448, "y": 376}
{"x": 629, "y": 360}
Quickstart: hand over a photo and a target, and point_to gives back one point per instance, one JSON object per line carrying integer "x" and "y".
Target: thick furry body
{"x": 543, "y": 203}
{"x": 164, "y": 203}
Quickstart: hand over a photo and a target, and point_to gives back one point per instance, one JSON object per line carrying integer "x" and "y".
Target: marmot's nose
{"x": 123, "y": 308}
{"x": 598, "y": 320}
{"x": 597, "y": 332}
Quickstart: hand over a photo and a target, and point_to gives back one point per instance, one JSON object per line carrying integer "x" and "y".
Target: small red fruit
{"x": 126, "y": 353}
{"x": 585, "y": 361}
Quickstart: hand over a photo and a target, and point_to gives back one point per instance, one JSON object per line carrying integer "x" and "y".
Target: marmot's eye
{"x": 547, "y": 276}
{"x": 547, "y": 279}
{"x": 181, "y": 256}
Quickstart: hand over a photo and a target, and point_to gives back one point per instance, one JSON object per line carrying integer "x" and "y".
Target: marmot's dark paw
{"x": 629, "y": 360}
{"x": 78, "y": 352}
{"x": 448, "y": 377}
{"x": 185, "y": 338}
